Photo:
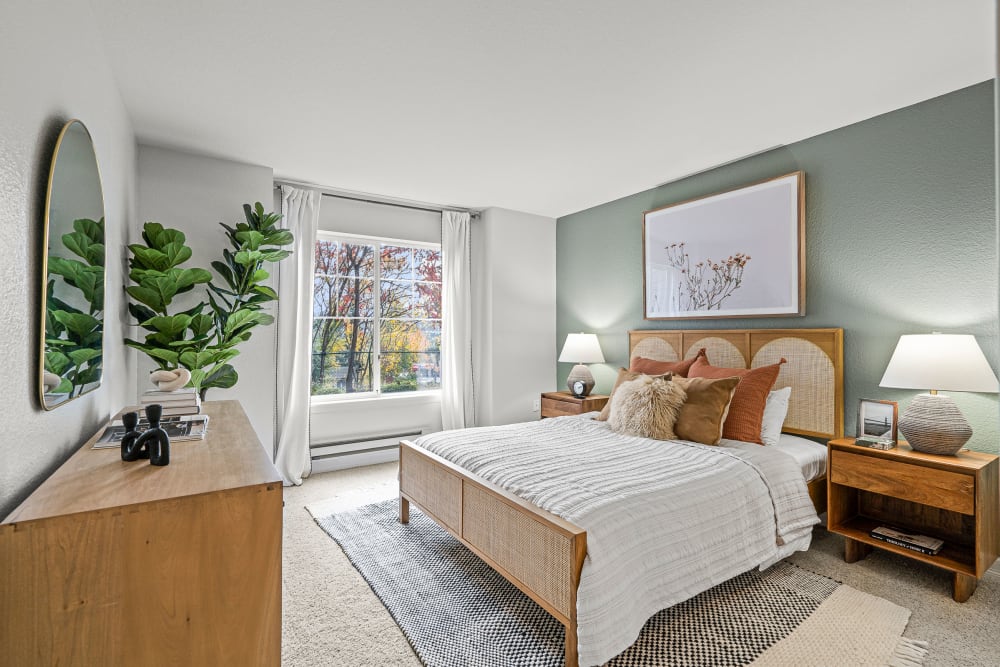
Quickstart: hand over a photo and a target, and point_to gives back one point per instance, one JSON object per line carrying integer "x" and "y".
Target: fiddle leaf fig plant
{"x": 205, "y": 337}
{"x": 74, "y": 331}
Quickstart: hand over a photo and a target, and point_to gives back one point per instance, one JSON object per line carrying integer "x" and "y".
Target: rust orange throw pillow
{"x": 654, "y": 367}
{"x": 746, "y": 410}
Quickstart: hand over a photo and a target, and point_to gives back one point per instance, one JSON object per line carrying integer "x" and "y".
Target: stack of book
{"x": 921, "y": 543}
{"x": 179, "y": 429}
{"x": 184, "y": 401}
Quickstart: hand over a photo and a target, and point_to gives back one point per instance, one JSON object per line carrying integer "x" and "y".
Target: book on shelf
{"x": 922, "y": 543}
{"x": 179, "y": 428}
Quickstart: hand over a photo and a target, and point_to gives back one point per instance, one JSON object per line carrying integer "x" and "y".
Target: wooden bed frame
{"x": 541, "y": 553}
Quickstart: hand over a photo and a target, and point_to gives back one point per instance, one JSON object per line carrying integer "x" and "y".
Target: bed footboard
{"x": 539, "y": 552}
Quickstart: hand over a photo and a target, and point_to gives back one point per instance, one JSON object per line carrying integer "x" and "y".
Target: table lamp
{"x": 580, "y": 349}
{"x": 932, "y": 422}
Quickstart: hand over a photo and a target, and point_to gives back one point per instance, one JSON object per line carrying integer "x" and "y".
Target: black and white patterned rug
{"x": 455, "y": 610}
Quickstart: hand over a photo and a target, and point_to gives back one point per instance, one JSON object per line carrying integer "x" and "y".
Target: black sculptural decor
{"x": 153, "y": 444}
{"x": 129, "y": 450}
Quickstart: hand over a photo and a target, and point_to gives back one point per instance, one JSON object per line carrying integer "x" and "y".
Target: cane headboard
{"x": 815, "y": 368}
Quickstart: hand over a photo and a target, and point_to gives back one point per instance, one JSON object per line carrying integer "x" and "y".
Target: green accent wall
{"x": 901, "y": 237}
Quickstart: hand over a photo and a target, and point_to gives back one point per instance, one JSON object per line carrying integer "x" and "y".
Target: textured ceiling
{"x": 545, "y": 107}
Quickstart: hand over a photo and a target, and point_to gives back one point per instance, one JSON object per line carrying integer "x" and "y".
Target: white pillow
{"x": 775, "y": 410}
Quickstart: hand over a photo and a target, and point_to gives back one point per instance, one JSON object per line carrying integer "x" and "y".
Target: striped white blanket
{"x": 664, "y": 520}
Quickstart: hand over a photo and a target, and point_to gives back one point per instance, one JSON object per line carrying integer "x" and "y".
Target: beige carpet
{"x": 331, "y": 617}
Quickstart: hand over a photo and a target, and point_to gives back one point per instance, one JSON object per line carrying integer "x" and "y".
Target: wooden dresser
{"x": 113, "y": 563}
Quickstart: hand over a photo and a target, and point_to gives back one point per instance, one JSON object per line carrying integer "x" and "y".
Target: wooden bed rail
{"x": 537, "y": 551}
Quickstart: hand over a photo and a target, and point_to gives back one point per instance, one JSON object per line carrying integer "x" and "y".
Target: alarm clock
{"x": 579, "y": 388}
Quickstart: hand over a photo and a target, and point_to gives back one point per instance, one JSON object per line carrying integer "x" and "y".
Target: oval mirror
{"x": 73, "y": 271}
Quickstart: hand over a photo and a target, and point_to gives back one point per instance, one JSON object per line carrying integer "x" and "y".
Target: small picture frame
{"x": 877, "y": 423}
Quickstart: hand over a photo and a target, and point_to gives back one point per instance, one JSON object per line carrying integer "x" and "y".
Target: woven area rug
{"x": 456, "y": 611}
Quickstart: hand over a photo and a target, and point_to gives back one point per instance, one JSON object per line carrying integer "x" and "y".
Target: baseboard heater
{"x": 356, "y": 440}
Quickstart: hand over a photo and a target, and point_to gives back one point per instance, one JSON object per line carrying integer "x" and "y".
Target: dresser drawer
{"x": 928, "y": 486}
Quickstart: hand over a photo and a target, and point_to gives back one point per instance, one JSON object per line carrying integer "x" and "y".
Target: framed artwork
{"x": 739, "y": 253}
{"x": 877, "y": 422}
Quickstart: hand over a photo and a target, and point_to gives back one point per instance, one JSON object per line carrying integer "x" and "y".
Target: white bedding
{"x": 810, "y": 455}
{"x": 664, "y": 520}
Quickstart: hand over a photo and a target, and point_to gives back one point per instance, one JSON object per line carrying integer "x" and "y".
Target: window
{"x": 376, "y": 316}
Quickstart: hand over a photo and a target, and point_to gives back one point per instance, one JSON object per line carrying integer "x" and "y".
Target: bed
{"x": 544, "y": 554}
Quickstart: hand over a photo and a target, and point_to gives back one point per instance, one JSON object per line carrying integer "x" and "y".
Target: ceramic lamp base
{"x": 932, "y": 423}
{"x": 580, "y": 373}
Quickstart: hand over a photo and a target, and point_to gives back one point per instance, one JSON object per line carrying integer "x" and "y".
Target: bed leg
{"x": 404, "y": 510}
{"x": 572, "y": 657}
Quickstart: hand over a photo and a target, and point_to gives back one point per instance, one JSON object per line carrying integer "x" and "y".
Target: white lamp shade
{"x": 582, "y": 348}
{"x": 946, "y": 362}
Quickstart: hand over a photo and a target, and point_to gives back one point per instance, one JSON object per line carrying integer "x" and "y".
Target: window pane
{"x": 341, "y": 356}
{"x": 326, "y": 257}
{"x": 397, "y": 262}
{"x": 344, "y": 322}
{"x": 427, "y": 265}
{"x": 411, "y": 355}
{"x": 343, "y": 297}
{"x": 356, "y": 260}
{"x": 428, "y": 301}
{"x": 402, "y": 298}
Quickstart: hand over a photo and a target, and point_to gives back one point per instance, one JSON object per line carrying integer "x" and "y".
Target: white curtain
{"x": 457, "y": 394}
{"x": 300, "y": 211}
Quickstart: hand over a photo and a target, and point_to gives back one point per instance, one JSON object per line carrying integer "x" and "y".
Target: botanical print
{"x": 699, "y": 290}
{"x": 734, "y": 254}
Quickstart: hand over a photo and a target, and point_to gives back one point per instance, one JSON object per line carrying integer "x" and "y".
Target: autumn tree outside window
{"x": 376, "y": 317}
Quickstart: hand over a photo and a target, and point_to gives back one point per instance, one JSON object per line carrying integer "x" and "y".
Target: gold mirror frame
{"x": 73, "y": 272}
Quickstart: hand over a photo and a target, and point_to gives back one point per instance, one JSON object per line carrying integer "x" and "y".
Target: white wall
{"x": 52, "y": 70}
{"x": 194, "y": 193}
{"x": 514, "y": 288}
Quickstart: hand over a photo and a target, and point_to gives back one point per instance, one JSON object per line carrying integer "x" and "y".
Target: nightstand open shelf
{"x": 951, "y": 498}
{"x": 954, "y": 557}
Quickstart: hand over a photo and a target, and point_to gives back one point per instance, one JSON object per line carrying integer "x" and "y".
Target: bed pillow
{"x": 746, "y": 410}
{"x": 647, "y": 407}
{"x": 624, "y": 375}
{"x": 654, "y": 367}
{"x": 775, "y": 410}
{"x": 704, "y": 412}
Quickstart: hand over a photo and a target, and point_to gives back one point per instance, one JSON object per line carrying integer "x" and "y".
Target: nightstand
{"x": 562, "y": 403}
{"x": 952, "y": 498}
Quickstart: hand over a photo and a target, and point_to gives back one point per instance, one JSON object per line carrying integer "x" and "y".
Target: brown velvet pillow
{"x": 746, "y": 410}
{"x": 705, "y": 410}
{"x": 654, "y": 367}
{"x": 624, "y": 375}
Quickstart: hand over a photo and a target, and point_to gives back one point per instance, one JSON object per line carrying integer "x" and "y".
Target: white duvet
{"x": 664, "y": 520}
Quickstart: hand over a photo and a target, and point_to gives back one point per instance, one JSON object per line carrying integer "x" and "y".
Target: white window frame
{"x": 376, "y": 393}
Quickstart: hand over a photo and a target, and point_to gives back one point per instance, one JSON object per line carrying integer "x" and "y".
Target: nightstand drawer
{"x": 553, "y": 408}
{"x": 927, "y": 486}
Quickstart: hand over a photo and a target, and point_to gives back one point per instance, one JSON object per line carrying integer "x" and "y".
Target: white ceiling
{"x": 541, "y": 106}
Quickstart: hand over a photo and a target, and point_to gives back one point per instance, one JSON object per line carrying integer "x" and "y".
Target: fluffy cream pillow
{"x": 647, "y": 407}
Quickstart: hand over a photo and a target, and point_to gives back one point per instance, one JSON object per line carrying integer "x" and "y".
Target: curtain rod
{"x": 474, "y": 214}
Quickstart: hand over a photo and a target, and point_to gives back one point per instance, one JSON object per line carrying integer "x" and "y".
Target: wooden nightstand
{"x": 953, "y": 498}
{"x": 562, "y": 403}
